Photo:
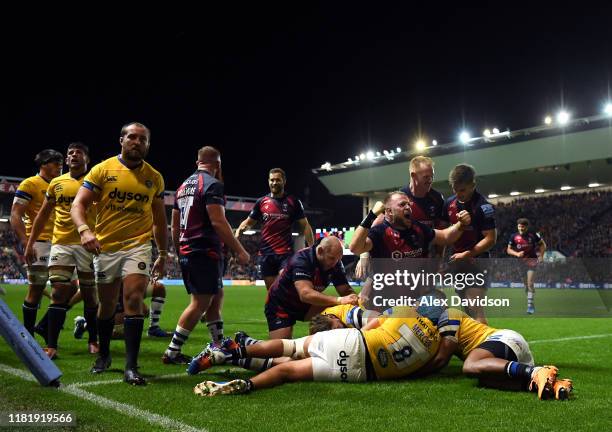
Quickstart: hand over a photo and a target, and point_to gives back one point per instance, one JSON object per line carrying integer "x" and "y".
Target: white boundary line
{"x": 120, "y": 380}
{"x": 572, "y": 338}
{"x": 120, "y": 407}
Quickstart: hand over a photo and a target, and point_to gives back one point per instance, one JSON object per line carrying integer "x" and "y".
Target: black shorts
{"x": 278, "y": 317}
{"x": 201, "y": 274}
{"x": 499, "y": 350}
{"x": 270, "y": 265}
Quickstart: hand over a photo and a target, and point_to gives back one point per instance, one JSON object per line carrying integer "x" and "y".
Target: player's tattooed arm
{"x": 17, "y": 214}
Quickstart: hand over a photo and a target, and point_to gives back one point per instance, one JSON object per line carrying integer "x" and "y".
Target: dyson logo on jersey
{"x": 121, "y": 196}
{"x": 65, "y": 199}
{"x": 343, "y": 363}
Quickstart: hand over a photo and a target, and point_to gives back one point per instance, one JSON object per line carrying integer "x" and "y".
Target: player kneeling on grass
{"x": 387, "y": 348}
{"x": 498, "y": 358}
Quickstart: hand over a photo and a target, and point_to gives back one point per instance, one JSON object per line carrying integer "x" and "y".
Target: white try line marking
{"x": 572, "y": 338}
{"x": 122, "y": 408}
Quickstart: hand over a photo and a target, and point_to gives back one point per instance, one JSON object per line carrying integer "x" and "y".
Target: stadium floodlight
{"x": 4, "y": 220}
{"x": 420, "y": 145}
{"x": 548, "y": 120}
{"x": 495, "y": 131}
{"x": 464, "y": 137}
{"x": 514, "y": 193}
{"x": 608, "y": 109}
{"x": 563, "y": 117}
{"x": 248, "y": 232}
{"x": 370, "y": 155}
{"x": 434, "y": 142}
{"x": 486, "y": 133}
{"x": 362, "y": 156}
{"x": 349, "y": 160}
{"x": 294, "y": 234}
{"x": 385, "y": 152}
{"x": 594, "y": 184}
{"x": 539, "y": 190}
{"x": 377, "y": 154}
{"x": 493, "y": 195}
{"x": 566, "y": 188}
{"x": 399, "y": 150}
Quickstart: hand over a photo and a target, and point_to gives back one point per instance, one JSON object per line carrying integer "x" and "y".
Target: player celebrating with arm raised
{"x": 130, "y": 204}
{"x": 399, "y": 236}
{"x": 276, "y": 211}
{"x": 66, "y": 250}
{"x": 478, "y": 237}
{"x": 28, "y": 200}
{"x": 529, "y": 247}
{"x": 199, "y": 229}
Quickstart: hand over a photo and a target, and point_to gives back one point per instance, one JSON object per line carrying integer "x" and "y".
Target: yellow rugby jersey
{"x": 124, "y": 217}
{"x": 62, "y": 191}
{"x": 31, "y": 194}
{"x": 401, "y": 346}
{"x": 467, "y": 332}
{"x": 351, "y": 316}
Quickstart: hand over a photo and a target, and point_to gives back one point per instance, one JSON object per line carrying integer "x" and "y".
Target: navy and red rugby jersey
{"x": 429, "y": 209}
{"x": 277, "y": 215}
{"x": 527, "y": 243}
{"x": 197, "y": 234}
{"x": 483, "y": 219}
{"x": 303, "y": 265}
{"x": 412, "y": 242}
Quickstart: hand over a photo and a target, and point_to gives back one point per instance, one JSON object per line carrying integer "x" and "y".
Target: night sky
{"x": 294, "y": 87}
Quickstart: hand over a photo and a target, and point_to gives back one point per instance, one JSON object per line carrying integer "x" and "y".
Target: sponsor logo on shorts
{"x": 383, "y": 357}
{"x": 54, "y": 258}
{"x": 142, "y": 265}
{"x": 343, "y": 363}
{"x": 101, "y": 275}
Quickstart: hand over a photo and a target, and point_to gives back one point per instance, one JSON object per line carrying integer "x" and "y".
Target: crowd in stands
{"x": 577, "y": 224}
{"x": 10, "y": 265}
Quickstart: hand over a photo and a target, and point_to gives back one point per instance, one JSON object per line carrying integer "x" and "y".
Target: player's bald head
{"x": 331, "y": 244}
{"x": 208, "y": 155}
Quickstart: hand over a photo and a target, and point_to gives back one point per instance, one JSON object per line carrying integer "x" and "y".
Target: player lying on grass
{"x": 393, "y": 348}
{"x": 498, "y": 358}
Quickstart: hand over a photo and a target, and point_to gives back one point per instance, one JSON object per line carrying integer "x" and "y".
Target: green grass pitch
{"x": 447, "y": 401}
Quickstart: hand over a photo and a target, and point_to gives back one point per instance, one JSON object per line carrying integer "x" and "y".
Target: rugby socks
{"x": 157, "y": 305}
{"x": 43, "y": 325}
{"x": 178, "y": 339}
{"x": 520, "y": 371}
{"x": 216, "y": 330}
{"x": 29, "y": 315}
{"x": 91, "y": 319}
{"x": 530, "y": 296}
{"x": 105, "y": 331}
{"x": 132, "y": 326}
{"x": 250, "y": 386}
{"x": 253, "y": 364}
{"x": 250, "y": 341}
{"x": 57, "y": 316}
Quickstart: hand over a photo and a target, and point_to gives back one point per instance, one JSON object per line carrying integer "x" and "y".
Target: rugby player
{"x": 296, "y": 295}
{"x": 498, "y": 358}
{"x": 276, "y": 211}
{"x": 130, "y": 204}
{"x": 388, "y": 348}
{"x": 528, "y": 247}
{"x": 426, "y": 203}
{"x": 66, "y": 253}
{"x": 199, "y": 228}
{"x": 478, "y": 237}
{"x": 28, "y": 200}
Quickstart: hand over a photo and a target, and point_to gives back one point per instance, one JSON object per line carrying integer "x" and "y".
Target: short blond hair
{"x": 418, "y": 160}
